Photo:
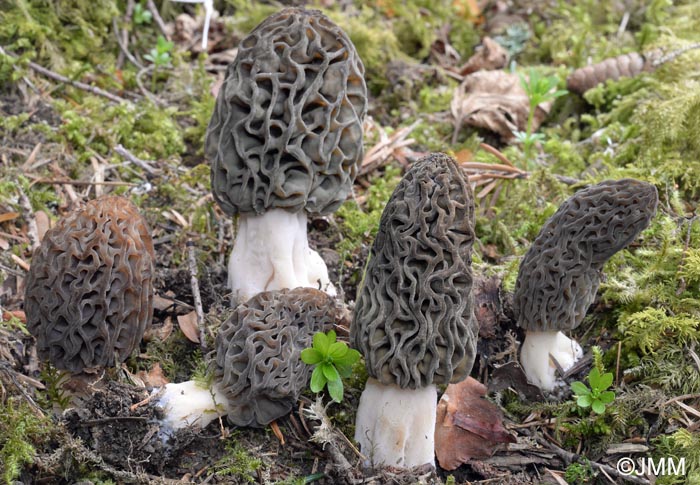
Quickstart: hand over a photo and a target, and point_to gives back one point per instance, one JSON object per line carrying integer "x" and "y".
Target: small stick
{"x": 199, "y": 311}
{"x": 124, "y": 41}
{"x": 277, "y": 432}
{"x": 134, "y": 159}
{"x": 77, "y": 84}
{"x": 143, "y": 89}
{"x": 81, "y": 183}
{"x": 574, "y": 458}
{"x": 617, "y": 363}
{"x": 151, "y": 5}
{"x": 496, "y": 153}
{"x": 28, "y": 215}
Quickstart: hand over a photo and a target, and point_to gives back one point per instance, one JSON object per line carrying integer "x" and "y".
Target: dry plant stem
{"x": 151, "y": 5}
{"x": 81, "y": 183}
{"x": 123, "y": 44}
{"x": 152, "y": 97}
{"x": 28, "y": 215}
{"x": 76, "y": 84}
{"x": 574, "y": 458}
{"x": 135, "y": 160}
{"x": 123, "y": 41}
{"x": 192, "y": 263}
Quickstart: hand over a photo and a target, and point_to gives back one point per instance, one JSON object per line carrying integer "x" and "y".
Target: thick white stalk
{"x": 396, "y": 427}
{"x": 534, "y": 356}
{"x": 272, "y": 252}
{"x": 188, "y": 404}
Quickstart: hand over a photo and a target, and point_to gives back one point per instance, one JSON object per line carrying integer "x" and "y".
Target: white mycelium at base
{"x": 188, "y": 404}
{"x": 396, "y": 427}
{"x": 534, "y": 357}
{"x": 272, "y": 252}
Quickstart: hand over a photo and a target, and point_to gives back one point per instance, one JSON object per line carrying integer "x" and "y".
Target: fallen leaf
{"x": 160, "y": 303}
{"x": 19, "y": 314}
{"x": 8, "y": 216}
{"x": 43, "y": 223}
{"x": 512, "y": 376}
{"x": 487, "y": 57}
{"x": 188, "y": 325}
{"x": 464, "y": 155}
{"x": 468, "y": 426}
{"x": 159, "y": 332}
{"x": 487, "y": 305}
{"x": 495, "y": 101}
{"x": 154, "y": 377}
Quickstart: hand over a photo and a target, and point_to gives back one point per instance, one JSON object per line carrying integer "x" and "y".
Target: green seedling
{"x": 159, "y": 56}
{"x": 539, "y": 89}
{"x": 141, "y": 15}
{"x": 333, "y": 360}
{"x": 597, "y": 397}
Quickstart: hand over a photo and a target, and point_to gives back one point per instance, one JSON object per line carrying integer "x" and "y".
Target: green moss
{"x": 21, "y": 431}
{"x": 682, "y": 444}
{"x": 237, "y": 463}
{"x": 359, "y": 225}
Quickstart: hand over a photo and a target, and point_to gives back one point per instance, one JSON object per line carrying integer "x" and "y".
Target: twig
{"x": 76, "y": 84}
{"x": 199, "y": 311}
{"x": 569, "y": 457}
{"x": 28, "y": 215}
{"x": 151, "y": 5}
{"x": 496, "y": 153}
{"x": 124, "y": 42}
{"x": 135, "y": 160}
{"x": 143, "y": 89}
{"x": 81, "y": 183}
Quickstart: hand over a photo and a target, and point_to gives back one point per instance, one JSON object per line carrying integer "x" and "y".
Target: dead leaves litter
{"x": 495, "y": 101}
{"x": 468, "y": 426}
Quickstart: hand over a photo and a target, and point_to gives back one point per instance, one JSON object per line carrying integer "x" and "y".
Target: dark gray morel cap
{"x": 257, "y": 358}
{"x": 287, "y": 128}
{"x": 89, "y": 292}
{"x": 560, "y": 274}
{"x": 414, "y": 320}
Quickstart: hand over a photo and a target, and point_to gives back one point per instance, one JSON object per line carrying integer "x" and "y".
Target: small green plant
{"x": 597, "y": 396}
{"x": 333, "y": 360}
{"x": 579, "y": 473}
{"x": 539, "y": 89}
{"x": 237, "y": 462}
{"x": 141, "y": 15}
{"x": 159, "y": 56}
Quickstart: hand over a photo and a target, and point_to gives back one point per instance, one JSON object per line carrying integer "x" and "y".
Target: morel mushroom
{"x": 284, "y": 140}
{"x": 89, "y": 292}
{"x": 414, "y": 320}
{"x": 560, "y": 274}
{"x": 258, "y": 371}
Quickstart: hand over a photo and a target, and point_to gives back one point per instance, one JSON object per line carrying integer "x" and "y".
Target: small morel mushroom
{"x": 414, "y": 319}
{"x": 89, "y": 292}
{"x": 284, "y": 140}
{"x": 258, "y": 371}
{"x": 560, "y": 274}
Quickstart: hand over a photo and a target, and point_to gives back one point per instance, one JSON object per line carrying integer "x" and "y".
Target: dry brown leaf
{"x": 4, "y": 244}
{"x": 43, "y": 223}
{"x": 154, "y": 377}
{"x": 8, "y": 216}
{"x": 468, "y": 426}
{"x": 159, "y": 332}
{"x": 188, "y": 325}
{"x": 488, "y": 56}
{"x": 160, "y": 303}
{"x": 495, "y": 100}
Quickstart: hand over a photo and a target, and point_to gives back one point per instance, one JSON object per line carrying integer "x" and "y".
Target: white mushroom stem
{"x": 396, "y": 427}
{"x": 535, "y": 356}
{"x": 189, "y": 404}
{"x": 272, "y": 252}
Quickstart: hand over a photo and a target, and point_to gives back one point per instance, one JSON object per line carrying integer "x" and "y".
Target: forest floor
{"x": 92, "y": 103}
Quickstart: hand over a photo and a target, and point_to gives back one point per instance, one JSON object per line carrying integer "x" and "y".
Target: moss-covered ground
{"x": 58, "y": 144}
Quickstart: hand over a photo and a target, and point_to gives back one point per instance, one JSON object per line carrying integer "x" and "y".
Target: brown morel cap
{"x": 560, "y": 274}
{"x": 287, "y": 128}
{"x": 257, "y": 359}
{"x": 414, "y": 319}
{"x": 89, "y": 292}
